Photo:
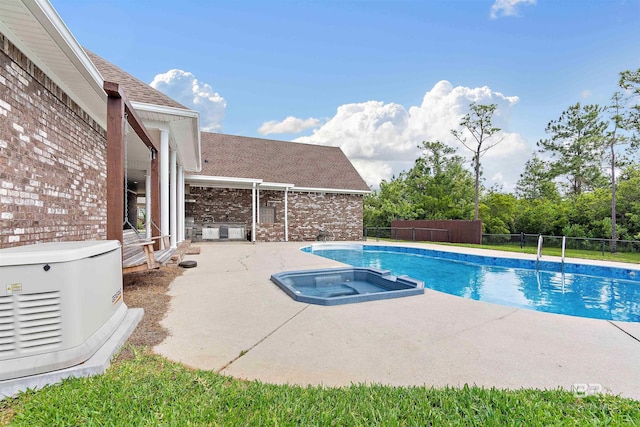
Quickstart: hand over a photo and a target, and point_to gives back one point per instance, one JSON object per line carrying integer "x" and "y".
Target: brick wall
{"x": 219, "y": 205}
{"x": 52, "y": 159}
{"x": 340, "y": 214}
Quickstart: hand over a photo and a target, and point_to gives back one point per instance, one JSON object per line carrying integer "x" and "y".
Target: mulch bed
{"x": 148, "y": 290}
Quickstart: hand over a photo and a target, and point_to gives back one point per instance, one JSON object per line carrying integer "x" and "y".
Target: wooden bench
{"x": 138, "y": 253}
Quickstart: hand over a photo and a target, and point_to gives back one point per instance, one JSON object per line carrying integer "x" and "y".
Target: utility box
{"x": 59, "y": 303}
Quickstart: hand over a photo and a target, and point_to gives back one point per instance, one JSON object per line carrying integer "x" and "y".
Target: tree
{"x": 576, "y": 145}
{"x": 442, "y": 188}
{"x": 541, "y": 216}
{"x": 588, "y": 214}
{"x": 629, "y": 201}
{"x": 436, "y": 187}
{"x": 497, "y": 211}
{"x": 387, "y": 204}
{"x": 535, "y": 182}
{"x": 630, "y": 82}
{"x": 614, "y": 138}
{"x": 477, "y": 123}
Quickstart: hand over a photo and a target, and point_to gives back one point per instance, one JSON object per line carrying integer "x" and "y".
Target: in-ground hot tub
{"x": 333, "y": 286}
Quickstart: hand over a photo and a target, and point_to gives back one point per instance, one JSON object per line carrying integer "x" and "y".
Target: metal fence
{"x": 578, "y": 243}
{"x": 522, "y": 240}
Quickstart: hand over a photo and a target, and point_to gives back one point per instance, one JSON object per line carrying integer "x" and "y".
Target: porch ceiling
{"x": 184, "y": 128}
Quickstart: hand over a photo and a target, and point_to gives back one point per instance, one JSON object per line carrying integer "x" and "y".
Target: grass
{"x": 149, "y": 390}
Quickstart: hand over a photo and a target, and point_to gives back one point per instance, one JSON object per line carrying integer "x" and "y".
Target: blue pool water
{"x": 581, "y": 290}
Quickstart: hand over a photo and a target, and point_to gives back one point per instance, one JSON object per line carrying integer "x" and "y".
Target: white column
{"x": 164, "y": 182}
{"x": 147, "y": 204}
{"x": 258, "y": 204}
{"x": 253, "y": 213}
{"x": 286, "y": 214}
{"x": 180, "y": 203}
{"x": 173, "y": 199}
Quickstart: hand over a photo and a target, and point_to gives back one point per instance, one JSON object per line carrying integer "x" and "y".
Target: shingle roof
{"x": 136, "y": 89}
{"x": 304, "y": 165}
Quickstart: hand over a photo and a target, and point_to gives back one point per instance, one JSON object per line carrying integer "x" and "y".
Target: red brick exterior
{"x": 52, "y": 159}
{"x": 340, "y": 215}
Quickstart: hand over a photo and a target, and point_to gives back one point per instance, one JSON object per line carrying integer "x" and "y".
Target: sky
{"x": 374, "y": 77}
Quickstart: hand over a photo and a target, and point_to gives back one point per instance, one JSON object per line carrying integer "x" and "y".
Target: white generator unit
{"x": 59, "y": 303}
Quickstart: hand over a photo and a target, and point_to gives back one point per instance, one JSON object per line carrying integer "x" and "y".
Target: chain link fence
{"x": 521, "y": 240}
{"x": 579, "y": 243}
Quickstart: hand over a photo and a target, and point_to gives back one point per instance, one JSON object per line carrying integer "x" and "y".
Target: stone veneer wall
{"x": 308, "y": 212}
{"x": 52, "y": 159}
{"x": 339, "y": 214}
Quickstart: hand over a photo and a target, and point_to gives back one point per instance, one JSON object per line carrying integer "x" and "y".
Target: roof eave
{"x": 330, "y": 190}
{"x": 185, "y": 126}
{"x": 235, "y": 182}
{"x": 81, "y": 81}
{"x": 221, "y": 181}
{"x": 276, "y": 186}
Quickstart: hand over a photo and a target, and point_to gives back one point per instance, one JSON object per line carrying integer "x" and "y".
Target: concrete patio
{"x": 227, "y": 316}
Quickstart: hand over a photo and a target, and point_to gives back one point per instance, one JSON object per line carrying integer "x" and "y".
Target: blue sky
{"x": 368, "y": 75}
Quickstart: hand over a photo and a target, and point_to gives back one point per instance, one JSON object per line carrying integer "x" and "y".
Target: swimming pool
{"x": 576, "y": 289}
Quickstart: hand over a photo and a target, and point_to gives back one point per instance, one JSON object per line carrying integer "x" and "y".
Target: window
{"x": 267, "y": 215}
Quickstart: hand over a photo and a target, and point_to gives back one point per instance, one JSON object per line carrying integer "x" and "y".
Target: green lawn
{"x": 149, "y": 390}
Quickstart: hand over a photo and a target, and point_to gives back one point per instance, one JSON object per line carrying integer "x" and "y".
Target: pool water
{"x": 341, "y": 290}
{"x": 612, "y": 294}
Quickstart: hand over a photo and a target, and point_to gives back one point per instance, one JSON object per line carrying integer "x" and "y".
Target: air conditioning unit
{"x": 211, "y": 233}
{"x": 59, "y": 303}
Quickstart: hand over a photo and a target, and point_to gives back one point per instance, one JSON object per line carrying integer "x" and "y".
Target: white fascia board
{"x": 219, "y": 180}
{"x": 161, "y": 109}
{"x": 275, "y": 186}
{"x": 329, "y": 190}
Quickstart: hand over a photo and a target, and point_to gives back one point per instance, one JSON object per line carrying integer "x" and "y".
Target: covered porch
{"x": 149, "y": 149}
{"x": 257, "y": 207}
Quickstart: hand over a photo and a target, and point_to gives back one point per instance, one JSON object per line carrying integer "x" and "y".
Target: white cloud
{"x": 289, "y": 125}
{"x": 188, "y": 91}
{"x": 507, "y": 7}
{"x": 585, "y": 94}
{"x": 382, "y": 139}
